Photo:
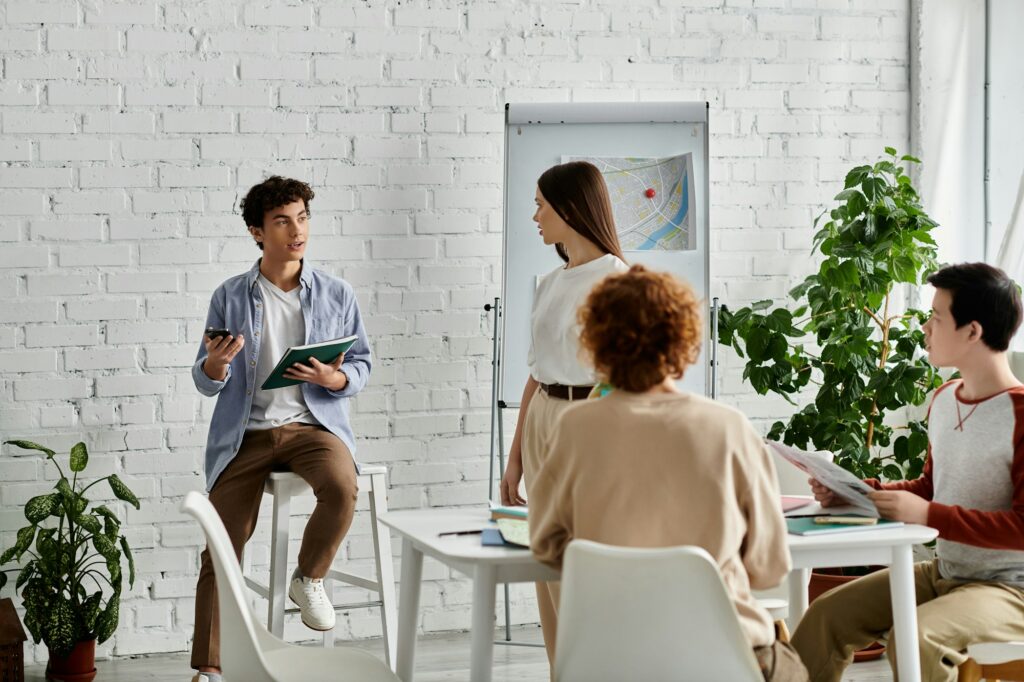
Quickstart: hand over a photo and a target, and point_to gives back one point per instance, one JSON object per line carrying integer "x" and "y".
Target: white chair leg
{"x": 329, "y": 634}
{"x": 385, "y": 567}
{"x": 279, "y": 562}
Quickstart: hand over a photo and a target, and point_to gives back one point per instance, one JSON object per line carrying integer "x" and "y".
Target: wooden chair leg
{"x": 969, "y": 671}
{"x": 781, "y": 631}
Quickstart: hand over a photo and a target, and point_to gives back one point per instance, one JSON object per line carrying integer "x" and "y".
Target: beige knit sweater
{"x": 658, "y": 470}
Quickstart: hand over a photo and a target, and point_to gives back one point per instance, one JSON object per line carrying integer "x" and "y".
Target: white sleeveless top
{"x": 555, "y": 334}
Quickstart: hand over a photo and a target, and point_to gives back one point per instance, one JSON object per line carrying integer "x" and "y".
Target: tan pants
{"x": 323, "y": 461}
{"x": 780, "y": 663}
{"x": 541, "y": 417}
{"x": 950, "y": 615}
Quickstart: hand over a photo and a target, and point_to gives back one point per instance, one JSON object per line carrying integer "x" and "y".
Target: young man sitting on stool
{"x": 971, "y": 490}
{"x": 281, "y": 302}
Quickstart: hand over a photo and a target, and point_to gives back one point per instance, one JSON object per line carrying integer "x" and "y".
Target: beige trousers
{"x": 541, "y": 417}
{"x": 950, "y": 615}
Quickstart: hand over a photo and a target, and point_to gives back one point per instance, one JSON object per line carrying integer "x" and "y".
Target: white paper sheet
{"x": 818, "y": 465}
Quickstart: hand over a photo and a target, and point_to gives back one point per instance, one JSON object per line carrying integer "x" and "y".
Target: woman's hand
{"x": 219, "y": 354}
{"x": 316, "y": 372}
{"x": 824, "y": 496}
{"x": 510, "y": 482}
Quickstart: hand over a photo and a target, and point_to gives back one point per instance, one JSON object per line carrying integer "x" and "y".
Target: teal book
{"x": 325, "y": 351}
{"x": 805, "y": 525}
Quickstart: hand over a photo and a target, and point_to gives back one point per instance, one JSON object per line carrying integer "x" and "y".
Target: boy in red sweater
{"x": 971, "y": 490}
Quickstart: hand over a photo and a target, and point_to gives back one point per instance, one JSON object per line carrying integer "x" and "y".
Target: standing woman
{"x": 574, "y": 213}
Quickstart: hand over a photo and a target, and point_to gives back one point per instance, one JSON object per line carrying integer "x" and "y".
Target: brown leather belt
{"x": 566, "y": 392}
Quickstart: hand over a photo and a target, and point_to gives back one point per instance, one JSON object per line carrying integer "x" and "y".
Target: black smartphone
{"x": 212, "y": 333}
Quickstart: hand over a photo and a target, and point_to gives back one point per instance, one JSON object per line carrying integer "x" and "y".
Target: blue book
{"x": 805, "y": 525}
{"x": 491, "y": 537}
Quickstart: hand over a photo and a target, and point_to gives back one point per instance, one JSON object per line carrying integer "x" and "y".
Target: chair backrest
{"x": 241, "y": 656}
{"x": 647, "y": 614}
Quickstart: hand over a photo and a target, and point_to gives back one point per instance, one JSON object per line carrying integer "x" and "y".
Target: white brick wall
{"x": 128, "y": 132}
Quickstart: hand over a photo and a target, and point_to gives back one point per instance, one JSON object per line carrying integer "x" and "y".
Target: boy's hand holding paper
{"x": 843, "y": 485}
{"x": 900, "y": 505}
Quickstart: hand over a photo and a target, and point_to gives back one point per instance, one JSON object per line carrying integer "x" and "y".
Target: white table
{"x": 489, "y": 566}
{"x": 891, "y": 547}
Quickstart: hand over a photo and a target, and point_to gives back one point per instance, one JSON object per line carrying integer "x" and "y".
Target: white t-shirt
{"x": 283, "y": 326}
{"x": 555, "y": 334}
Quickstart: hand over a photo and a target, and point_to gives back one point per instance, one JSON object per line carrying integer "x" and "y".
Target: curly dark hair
{"x": 639, "y": 327}
{"x": 273, "y": 192}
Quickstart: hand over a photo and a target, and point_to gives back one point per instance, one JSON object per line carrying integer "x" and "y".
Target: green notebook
{"x": 325, "y": 351}
{"x": 805, "y": 525}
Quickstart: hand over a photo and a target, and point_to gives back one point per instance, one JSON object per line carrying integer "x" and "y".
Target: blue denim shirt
{"x": 329, "y": 310}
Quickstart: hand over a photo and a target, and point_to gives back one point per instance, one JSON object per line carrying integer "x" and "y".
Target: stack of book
{"x": 510, "y": 512}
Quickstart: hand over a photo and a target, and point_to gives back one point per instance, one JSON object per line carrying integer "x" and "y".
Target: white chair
{"x": 647, "y": 614}
{"x": 284, "y": 485}
{"x": 251, "y": 654}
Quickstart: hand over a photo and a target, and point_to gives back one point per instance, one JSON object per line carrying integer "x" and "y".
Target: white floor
{"x": 438, "y": 659}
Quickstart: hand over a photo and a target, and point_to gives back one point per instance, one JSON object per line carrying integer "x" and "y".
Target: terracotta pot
{"x": 822, "y": 583}
{"x": 78, "y": 666}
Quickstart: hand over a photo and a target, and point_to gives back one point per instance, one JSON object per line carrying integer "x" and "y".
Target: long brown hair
{"x": 578, "y": 193}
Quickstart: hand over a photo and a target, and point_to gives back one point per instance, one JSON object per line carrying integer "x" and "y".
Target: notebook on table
{"x": 805, "y": 525}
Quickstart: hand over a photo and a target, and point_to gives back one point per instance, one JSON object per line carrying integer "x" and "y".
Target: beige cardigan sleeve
{"x": 765, "y": 553}
{"x": 551, "y": 524}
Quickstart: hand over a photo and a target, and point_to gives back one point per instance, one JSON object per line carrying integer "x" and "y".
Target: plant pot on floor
{"x": 78, "y": 666}
{"x": 823, "y": 580}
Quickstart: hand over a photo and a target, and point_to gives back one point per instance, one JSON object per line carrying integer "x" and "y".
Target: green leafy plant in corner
{"x": 844, "y": 334}
{"x": 71, "y": 584}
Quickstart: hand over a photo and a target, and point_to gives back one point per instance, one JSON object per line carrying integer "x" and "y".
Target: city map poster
{"x": 652, "y": 199}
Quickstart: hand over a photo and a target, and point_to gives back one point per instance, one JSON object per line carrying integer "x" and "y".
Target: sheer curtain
{"x": 1006, "y": 140}
{"x": 948, "y": 124}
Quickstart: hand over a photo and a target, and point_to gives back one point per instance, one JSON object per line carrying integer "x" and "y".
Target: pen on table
{"x": 460, "y": 532}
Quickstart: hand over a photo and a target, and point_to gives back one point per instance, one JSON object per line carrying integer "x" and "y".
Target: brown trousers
{"x": 323, "y": 461}
{"x": 950, "y": 615}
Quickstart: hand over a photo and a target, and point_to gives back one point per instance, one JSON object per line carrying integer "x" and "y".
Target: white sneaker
{"x": 207, "y": 677}
{"x": 311, "y": 598}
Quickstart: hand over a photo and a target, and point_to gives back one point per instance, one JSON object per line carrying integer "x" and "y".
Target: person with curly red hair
{"x": 649, "y": 465}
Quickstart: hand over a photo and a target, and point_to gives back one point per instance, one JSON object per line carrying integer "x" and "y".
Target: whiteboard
{"x": 538, "y": 136}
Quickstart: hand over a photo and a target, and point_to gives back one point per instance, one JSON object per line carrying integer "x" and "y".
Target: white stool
{"x": 778, "y": 609}
{"x": 282, "y": 486}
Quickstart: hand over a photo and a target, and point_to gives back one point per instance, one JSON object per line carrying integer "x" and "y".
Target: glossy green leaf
{"x": 24, "y": 541}
{"x": 29, "y": 445}
{"x": 40, "y": 506}
{"x": 131, "y": 561}
{"x": 79, "y": 457}
{"x": 121, "y": 491}
{"x": 90, "y": 523}
{"x": 60, "y": 628}
{"x": 106, "y": 622}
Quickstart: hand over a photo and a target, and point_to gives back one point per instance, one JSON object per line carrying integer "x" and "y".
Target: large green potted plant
{"x": 71, "y": 584}
{"x": 846, "y": 334}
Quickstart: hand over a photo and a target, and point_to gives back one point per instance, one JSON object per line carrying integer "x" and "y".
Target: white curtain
{"x": 948, "y": 126}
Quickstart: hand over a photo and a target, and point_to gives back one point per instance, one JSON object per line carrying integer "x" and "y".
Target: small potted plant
{"x": 846, "y": 336}
{"x": 71, "y": 584}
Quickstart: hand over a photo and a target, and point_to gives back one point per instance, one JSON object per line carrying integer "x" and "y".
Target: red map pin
{"x": 650, "y": 193}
